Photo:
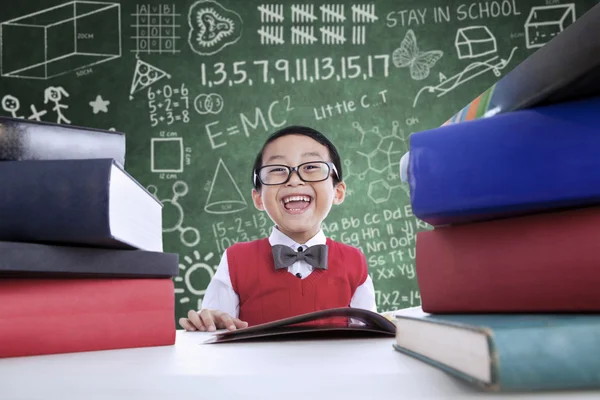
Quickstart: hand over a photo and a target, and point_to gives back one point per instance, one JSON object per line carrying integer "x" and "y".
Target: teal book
{"x": 506, "y": 352}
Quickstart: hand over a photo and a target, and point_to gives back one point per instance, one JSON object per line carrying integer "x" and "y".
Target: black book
{"x": 77, "y": 202}
{"x": 28, "y": 260}
{"x": 22, "y": 139}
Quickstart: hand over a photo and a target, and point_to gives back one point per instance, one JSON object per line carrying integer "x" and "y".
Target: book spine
{"x": 52, "y": 316}
{"x": 478, "y": 108}
{"x": 56, "y": 201}
{"x": 21, "y": 141}
{"x": 537, "y": 263}
{"x": 510, "y": 164}
{"x": 19, "y": 258}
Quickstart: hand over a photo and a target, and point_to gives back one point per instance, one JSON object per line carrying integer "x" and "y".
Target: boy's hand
{"x": 210, "y": 320}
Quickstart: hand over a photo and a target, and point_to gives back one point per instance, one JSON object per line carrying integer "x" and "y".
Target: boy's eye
{"x": 276, "y": 170}
{"x": 311, "y": 167}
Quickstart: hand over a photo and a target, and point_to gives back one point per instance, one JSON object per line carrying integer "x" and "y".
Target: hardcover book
{"x": 511, "y": 164}
{"x": 54, "y": 316}
{"x": 506, "y": 352}
{"x": 23, "y": 139}
{"x": 546, "y": 262}
{"x": 90, "y": 202}
{"x": 22, "y": 259}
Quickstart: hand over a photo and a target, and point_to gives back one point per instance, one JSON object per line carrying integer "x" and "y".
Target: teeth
{"x": 295, "y": 198}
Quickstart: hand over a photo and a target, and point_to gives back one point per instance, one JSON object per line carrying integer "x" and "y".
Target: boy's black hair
{"x": 306, "y": 131}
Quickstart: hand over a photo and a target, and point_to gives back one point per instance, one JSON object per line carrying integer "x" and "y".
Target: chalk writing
{"x": 294, "y": 71}
{"x": 395, "y": 299}
{"x": 255, "y": 227}
{"x": 442, "y": 14}
{"x": 156, "y": 29}
{"x": 169, "y": 104}
{"x": 387, "y": 237}
{"x": 250, "y": 122}
{"x": 348, "y": 106}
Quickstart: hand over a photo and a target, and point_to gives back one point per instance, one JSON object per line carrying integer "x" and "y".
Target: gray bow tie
{"x": 284, "y": 256}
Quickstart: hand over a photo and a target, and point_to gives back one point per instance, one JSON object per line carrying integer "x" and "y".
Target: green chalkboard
{"x": 198, "y": 85}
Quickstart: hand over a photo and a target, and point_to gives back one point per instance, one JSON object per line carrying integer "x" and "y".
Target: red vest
{"x": 267, "y": 294}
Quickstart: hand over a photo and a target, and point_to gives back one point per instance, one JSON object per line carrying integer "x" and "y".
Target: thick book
{"x": 343, "y": 322}
{"x": 92, "y": 202}
{"x": 506, "y": 352}
{"x": 546, "y": 262}
{"x": 511, "y": 164}
{"x": 22, "y": 139}
{"x": 22, "y": 259}
{"x": 53, "y": 316}
{"x": 564, "y": 68}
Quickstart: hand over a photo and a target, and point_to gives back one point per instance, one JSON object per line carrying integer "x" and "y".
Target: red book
{"x": 50, "y": 316}
{"x": 546, "y": 262}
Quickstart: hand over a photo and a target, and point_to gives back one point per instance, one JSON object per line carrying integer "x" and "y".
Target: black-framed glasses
{"x": 278, "y": 174}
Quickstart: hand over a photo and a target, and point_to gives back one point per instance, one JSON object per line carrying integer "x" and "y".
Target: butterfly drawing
{"x": 419, "y": 62}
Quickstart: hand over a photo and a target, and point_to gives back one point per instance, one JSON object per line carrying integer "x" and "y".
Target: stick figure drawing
{"x": 55, "y": 94}
{"x": 11, "y": 105}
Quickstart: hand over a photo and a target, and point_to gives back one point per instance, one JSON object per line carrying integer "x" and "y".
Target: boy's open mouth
{"x": 296, "y": 203}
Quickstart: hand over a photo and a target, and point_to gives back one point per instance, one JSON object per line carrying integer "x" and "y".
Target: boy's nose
{"x": 295, "y": 179}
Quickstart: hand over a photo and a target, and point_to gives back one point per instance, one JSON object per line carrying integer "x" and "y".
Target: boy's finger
{"x": 186, "y": 324}
{"x": 196, "y": 320}
{"x": 207, "y": 320}
{"x": 226, "y": 321}
{"x": 239, "y": 323}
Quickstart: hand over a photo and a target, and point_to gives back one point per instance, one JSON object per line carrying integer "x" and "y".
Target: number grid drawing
{"x": 156, "y": 29}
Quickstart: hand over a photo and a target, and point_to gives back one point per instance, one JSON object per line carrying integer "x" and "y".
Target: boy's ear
{"x": 257, "y": 199}
{"x": 339, "y": 193}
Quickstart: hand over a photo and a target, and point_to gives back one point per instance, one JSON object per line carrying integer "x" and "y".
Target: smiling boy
{"x": 297, "y": 178}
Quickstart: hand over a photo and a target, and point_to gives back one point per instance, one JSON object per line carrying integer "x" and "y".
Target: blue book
{"x": 506, "y": 352}
{"x": 92, "y": 202}
{"x": 510, "y": 164}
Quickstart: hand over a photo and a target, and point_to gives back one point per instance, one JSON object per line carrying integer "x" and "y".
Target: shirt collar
{"x": 278, "y": 237}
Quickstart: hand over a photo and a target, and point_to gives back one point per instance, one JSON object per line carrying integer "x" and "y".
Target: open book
{"x": 330, "y": 323}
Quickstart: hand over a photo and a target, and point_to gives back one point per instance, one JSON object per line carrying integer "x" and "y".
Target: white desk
{"x": 344, "y": 369}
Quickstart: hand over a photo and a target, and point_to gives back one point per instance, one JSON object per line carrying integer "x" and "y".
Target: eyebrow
{"x": 280, "y": 157}
{"x": 312, "y": 153}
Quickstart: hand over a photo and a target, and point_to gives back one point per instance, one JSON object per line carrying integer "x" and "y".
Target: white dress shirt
{"x": 221, "y": 296}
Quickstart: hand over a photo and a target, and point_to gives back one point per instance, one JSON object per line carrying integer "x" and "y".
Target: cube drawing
{"x": 474, "y": 41}
{"x": 545, "y": 22}
{"x": 60, "y": 39}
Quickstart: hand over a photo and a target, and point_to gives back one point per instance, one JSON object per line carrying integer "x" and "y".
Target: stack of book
{"x": 82, "y": 265}
{"x": 510, "y": 273}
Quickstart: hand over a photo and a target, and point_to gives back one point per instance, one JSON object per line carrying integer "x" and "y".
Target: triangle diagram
{"x": 145, "y": 75}
{"x": 224, "y": 196}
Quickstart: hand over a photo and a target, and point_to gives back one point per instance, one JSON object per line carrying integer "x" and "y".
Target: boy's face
{"x": 300, "y": 220}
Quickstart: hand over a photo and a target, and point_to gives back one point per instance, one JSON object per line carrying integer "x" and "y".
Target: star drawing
{"x": 99, "y": 105}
